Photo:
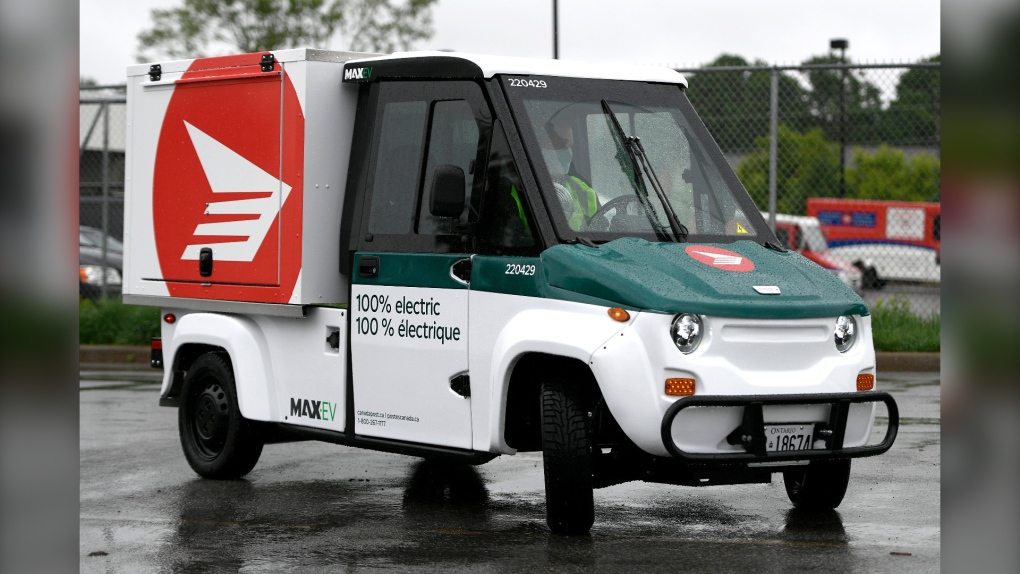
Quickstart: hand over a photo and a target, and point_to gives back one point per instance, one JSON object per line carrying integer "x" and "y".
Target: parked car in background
{"x": 804, "y": 235}
{"x": 92, "y": 267}
{"x": 900, "y": 240}
{"x": 92, "y": 237}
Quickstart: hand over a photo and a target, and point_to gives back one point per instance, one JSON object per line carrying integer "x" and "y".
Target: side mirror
{"x": 447, "y": 197}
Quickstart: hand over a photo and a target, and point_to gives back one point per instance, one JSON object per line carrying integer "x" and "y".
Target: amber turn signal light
{"x": 865, "y": 382}
{"x": 618, "y": 314}
{"x": 680, "y": 387}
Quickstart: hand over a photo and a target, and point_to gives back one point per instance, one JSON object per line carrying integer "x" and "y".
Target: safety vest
{"x": 520, "y": 208}
{"x": 576, "y": 186}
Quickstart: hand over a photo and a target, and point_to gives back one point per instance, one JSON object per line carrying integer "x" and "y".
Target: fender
{"x": 246, "y": 345}
{"x": 575, "y": 332}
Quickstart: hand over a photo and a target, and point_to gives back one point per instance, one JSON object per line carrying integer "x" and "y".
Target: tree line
{"x": 735, "y": 107}
{"x": 733, "y": 104}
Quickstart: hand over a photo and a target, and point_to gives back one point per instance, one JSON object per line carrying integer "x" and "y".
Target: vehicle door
{"x": 409, "y": 294}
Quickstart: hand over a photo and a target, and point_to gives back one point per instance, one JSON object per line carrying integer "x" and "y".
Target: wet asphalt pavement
{"x": 311, "y": 507}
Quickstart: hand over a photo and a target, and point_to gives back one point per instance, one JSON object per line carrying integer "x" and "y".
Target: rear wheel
{"x": 217, "y": 441}
{"x": 820, "y": 485}
{"x": 566, "y": 457}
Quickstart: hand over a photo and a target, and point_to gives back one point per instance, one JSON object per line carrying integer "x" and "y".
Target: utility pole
{"x": 841, "y": 44}
{"x": 556, "y": 31}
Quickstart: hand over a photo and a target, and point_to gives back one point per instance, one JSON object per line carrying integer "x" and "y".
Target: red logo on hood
{"x": 720, "y": 258}
{"x": 220, "y": 182}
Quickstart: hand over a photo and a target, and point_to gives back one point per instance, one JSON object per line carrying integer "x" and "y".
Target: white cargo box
{"x": 236, "y": 169}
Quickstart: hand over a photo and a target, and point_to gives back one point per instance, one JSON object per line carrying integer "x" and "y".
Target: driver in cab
{"x": 576, "y": 197}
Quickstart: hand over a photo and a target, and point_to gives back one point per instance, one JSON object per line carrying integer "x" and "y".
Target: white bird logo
{"x": 720, "y": 259}
{"x": 228, "y": 172}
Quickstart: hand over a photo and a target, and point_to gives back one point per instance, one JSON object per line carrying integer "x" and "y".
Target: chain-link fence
{"x": 102, "y": 132}
{"x": 850, "y": 150}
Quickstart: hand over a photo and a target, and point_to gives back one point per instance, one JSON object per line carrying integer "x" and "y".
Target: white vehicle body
{"x": 305, "y": 299}
{"x": 895, "y": 262}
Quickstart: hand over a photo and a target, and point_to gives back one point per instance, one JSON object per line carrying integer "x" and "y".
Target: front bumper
{"x": 750, "y": 435}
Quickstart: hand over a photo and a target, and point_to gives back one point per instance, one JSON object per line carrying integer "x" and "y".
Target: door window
{"x": 397, "y": 167}
{"x": 421, "y": 127}
{"x": 505, "y": 221}
{"x": 453, "y": 140}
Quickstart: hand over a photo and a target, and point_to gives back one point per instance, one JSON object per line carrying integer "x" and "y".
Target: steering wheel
{"x": 599, "y": 221}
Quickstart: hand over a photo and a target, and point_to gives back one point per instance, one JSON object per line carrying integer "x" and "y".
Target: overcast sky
{"x": 681, "y": 33}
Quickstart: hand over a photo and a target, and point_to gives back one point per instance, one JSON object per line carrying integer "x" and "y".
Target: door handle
{"x": 368, "y": 266}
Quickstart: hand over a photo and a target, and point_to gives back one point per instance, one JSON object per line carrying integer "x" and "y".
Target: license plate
{"x": 789, "y": 437}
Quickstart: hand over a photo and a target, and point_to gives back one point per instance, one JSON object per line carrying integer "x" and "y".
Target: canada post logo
{"x": 720, "y": 258}
{"x": 353, "y": 74}
{"x": 220, "y": 181}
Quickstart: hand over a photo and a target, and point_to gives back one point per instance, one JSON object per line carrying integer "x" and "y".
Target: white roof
{"x": 492, "y": 65}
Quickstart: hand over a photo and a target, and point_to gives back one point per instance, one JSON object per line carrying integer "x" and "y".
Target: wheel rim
{"x": 210, "y": 422}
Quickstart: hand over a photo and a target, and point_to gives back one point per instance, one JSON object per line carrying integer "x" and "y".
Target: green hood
{"x": 663, "y": 277}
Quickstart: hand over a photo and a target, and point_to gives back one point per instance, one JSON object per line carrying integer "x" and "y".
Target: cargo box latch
{"x": 205, "y": 261}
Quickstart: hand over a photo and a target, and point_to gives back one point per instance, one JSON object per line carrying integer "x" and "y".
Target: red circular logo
{"x": 222, "y": 184}
{"x": 720, "y": 258}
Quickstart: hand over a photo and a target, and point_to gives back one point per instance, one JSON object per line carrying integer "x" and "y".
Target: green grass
{"x": 896, "y": 328}
{"x": 110, "y": 322}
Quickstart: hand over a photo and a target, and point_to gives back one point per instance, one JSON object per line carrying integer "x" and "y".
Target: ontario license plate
{"x": 789, "y": 437}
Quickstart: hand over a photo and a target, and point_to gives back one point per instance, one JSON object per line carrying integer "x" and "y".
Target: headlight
{"x": 686, "y": 332}
{"x": 845, "y": 333}
{"x": 92, "y": 274}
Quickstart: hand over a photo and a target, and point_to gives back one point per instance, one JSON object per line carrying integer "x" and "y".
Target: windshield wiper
{"x": 642, "y": 193}
{"x": 637, "y": 155}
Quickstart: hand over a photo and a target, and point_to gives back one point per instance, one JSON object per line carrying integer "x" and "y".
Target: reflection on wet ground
{"x": 318, "y": 507}
{"x": 442, "y": 515}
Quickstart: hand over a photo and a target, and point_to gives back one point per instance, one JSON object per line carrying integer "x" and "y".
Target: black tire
{"x": 217, "y": 441}
{"x": 820, "y": 485}
{"x": 566, "y": 457}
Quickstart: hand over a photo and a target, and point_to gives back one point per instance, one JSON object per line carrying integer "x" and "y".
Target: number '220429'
{"x": 526, "y": 83}
{"x": 515, "y": 269}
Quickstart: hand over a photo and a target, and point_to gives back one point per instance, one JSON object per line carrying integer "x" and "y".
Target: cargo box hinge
{"x": 268, "y": 61}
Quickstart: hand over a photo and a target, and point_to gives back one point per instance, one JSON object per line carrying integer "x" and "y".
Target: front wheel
{"x": 820, "y": 485}
{"x": 217, "y": 441}
{"x": 566, "y": 458}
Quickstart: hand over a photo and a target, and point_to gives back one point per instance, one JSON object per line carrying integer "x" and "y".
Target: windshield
{"x": 91, "y": 237}
{"x": 599, "y": 184}
{"x": 814, "y": 239}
